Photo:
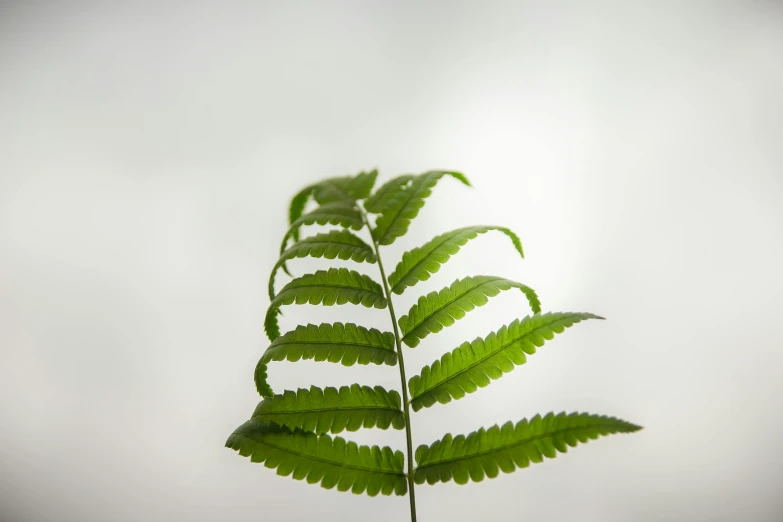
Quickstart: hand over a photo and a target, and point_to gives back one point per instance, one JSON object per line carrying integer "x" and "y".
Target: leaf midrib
{"x": 483, "y": 359}
{"x": 330, "y": 409}
{"x": 517, "y": 443}
{"x": 341, "y": 287}
{"x": 321, "y": 241}
{"x": 292, "y": 253}
{"x": 349, "y": 213}
{"x": 380, "y": 347}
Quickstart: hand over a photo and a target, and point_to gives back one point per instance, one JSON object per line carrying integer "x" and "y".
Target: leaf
{"x": 362, "y": 184}
{"x": 340, "y": 244}
{"x": 340, "y": 213}
{"x": 331, "y": 410}
{"x": 380, "y": 201}
{"x": 260, "y": 377}
{"x": 335, "y": 286}
{"x": 437, "y": 310}
{"x": 487, "y": 451}
{"x": 298, "y": 204}
{"x": 474, "y": 365}
{"x": 345, "y": 188}
{"x": 405, "y": 205}
{"x": 336, "y": 343}
{"x": 421, "y": 262}
{"x": 322, "y": 459}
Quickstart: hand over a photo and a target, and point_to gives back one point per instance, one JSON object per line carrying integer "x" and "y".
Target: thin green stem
{"x": 403, "y": 380}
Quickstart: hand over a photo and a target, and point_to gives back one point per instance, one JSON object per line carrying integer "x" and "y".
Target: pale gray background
{"x": 147, "y": 154}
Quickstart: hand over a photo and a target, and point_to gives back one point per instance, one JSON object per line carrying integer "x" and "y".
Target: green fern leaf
{"x": 322, "y": 459}
{"x": 407, "y": 201}
{"x": 474, "y": 365}
{"x": 421, "y": 262}
{"x": 487, "y": 451}
{"x": 326, "y": 287}
{"x": 340, "y": 244}
{"x": 380, "y": 201}
{"x": 294, "y": 431}
{"x": 437, "y": 310}
{"x": 331, "y": 410}
{"x": 336, "y": 343}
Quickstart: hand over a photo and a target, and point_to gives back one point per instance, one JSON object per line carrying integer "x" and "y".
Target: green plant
{"x": 290, "y": 431}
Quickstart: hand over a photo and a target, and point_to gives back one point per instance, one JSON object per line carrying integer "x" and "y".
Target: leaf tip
{"x": 633, "y": 428}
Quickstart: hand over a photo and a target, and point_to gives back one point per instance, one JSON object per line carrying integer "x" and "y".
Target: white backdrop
{"x": 147, "y": 155}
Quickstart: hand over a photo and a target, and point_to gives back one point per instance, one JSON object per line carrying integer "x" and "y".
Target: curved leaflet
{"x": 330, "y": 410}
{"x": 321, "y": 459}
{"x": 260, "y": 376}
{"x": 341, "y": 213}
{"x": 476, "y": 364}
{"x": 421, "y": 262}
{"x": 486, "y": 452}
{"x": 347, "y": 344}
{"x": 437, "y": 310}
{"x": 327, "y": 287}
{"x": 297, "y": 206}
{"x": 405, "y": 205}
{"x": 340, "y": 244}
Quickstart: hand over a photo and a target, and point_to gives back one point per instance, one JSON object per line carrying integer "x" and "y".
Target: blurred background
{"x": 148, "y": 152}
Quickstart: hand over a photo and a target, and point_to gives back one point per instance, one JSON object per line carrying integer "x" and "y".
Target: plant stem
{"x": 403, "y": 380}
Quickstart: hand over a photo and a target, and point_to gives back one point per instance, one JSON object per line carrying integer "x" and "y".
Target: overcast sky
{"x": 147, "y": 156}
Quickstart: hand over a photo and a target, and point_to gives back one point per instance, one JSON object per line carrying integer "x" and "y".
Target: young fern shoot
{"x": 295, "y": 432}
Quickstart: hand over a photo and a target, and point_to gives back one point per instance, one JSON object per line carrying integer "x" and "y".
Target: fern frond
{"x": 474, "y": 365}
{"x": 407, "y": 201}
{"x": 322, "y": 459}
{"x": 335, "y": 286}
{"x": 340, "y": 244}
{"x": 331, "y": 410}
{"x": 294, "y": 431}
{"x": 487, "y": 451}
{"x": 382, "y": 197}
{"x": 437, "y": 310}
{"x": 421, "y": 262}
